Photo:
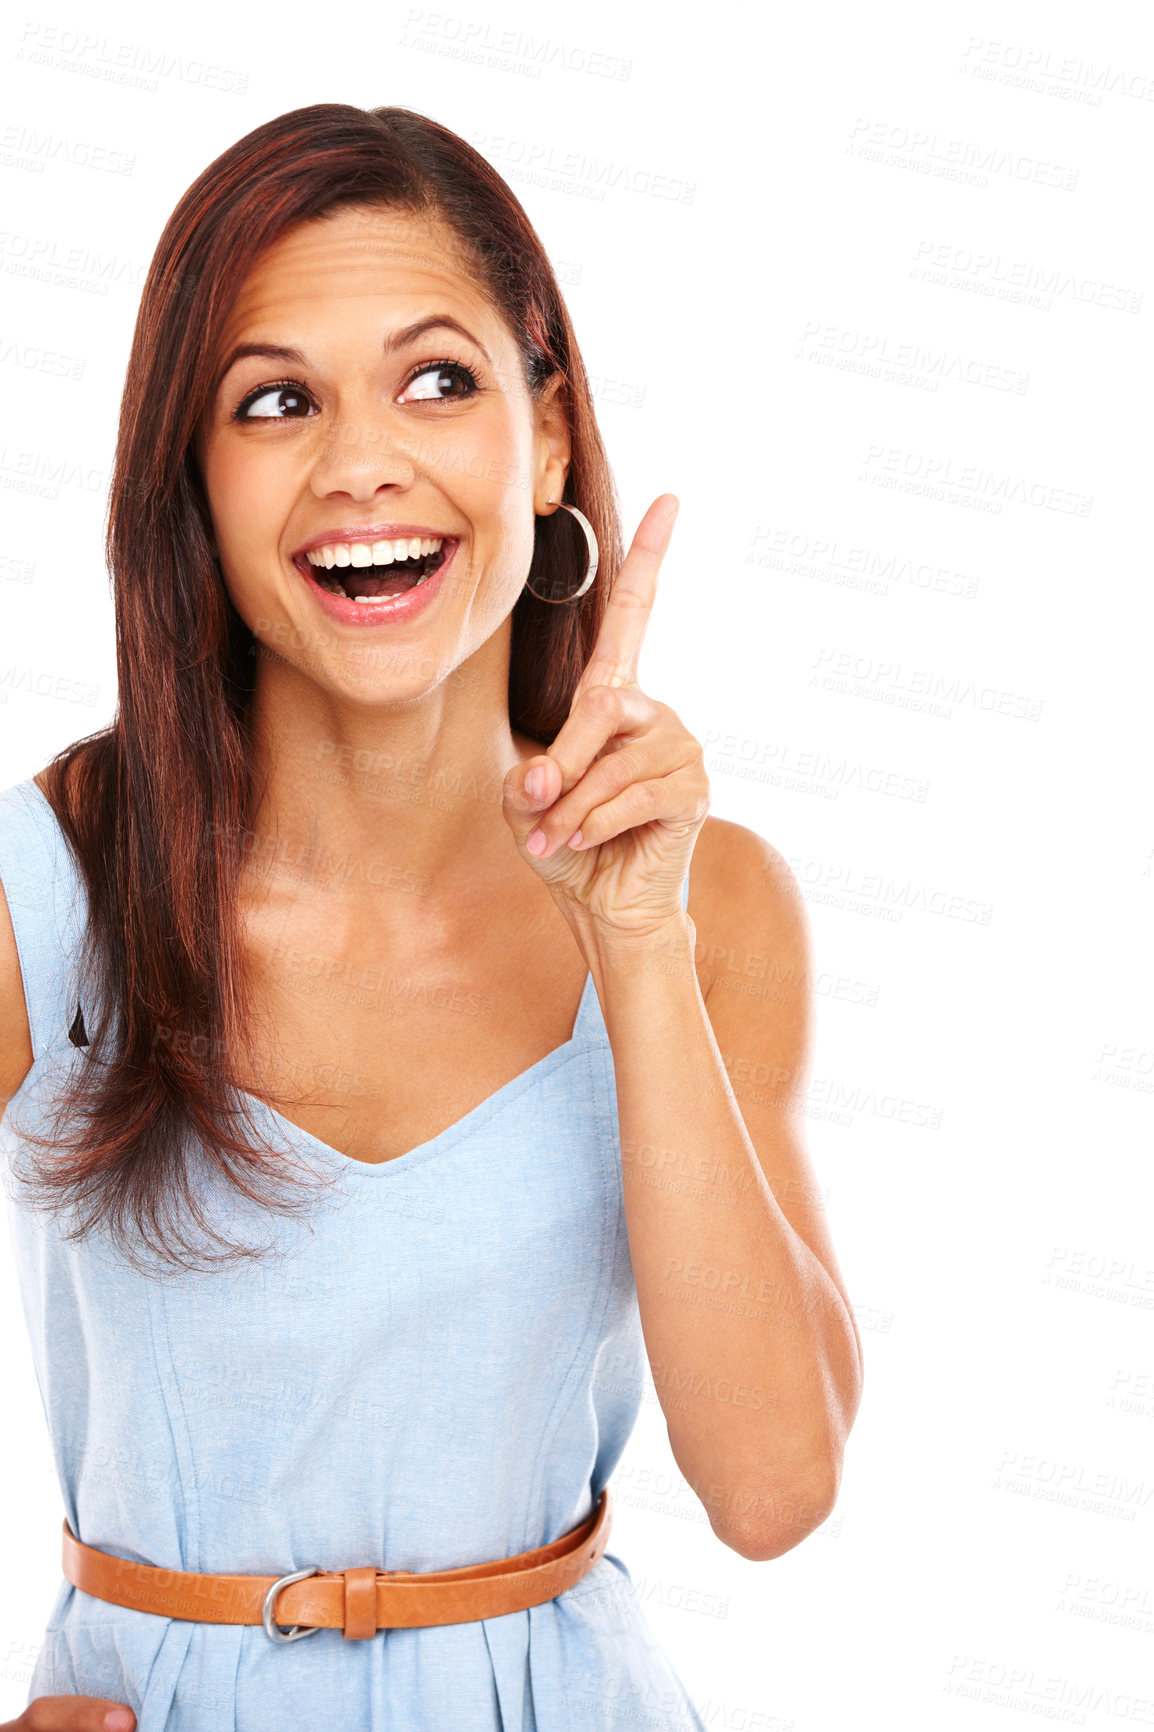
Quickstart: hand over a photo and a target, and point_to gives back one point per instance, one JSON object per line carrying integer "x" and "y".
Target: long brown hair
{"x": 154, "y": 806}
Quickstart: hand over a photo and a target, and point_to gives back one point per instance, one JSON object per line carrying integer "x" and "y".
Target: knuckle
{"x": 604, "y": 700}
{"x": 621, "y": 768}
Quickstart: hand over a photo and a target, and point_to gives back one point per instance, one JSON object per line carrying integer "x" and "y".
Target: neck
{"x": 361, "y": 789}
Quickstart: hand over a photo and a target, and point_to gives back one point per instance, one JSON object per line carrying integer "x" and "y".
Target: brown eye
{"x": 446, "y": 381}
{"x": 274, "y": 403}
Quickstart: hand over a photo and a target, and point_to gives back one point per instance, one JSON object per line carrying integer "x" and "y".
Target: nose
{"x": 364, "y": 451}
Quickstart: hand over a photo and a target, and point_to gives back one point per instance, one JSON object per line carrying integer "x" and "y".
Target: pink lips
{"x": 391, "y": 609}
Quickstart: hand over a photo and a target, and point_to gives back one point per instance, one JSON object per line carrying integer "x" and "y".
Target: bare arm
{"x": 15, "y": 1034}
{"x": 748, "y": 1326}
{"x": 46, "y": 1713}
{"x": 752, "y": 1339}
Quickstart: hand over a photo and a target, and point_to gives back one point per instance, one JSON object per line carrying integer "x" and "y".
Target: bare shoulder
{"x": 749, "y": 913}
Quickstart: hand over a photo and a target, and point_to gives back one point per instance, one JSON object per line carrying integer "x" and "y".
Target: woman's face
{"x": 373, "y": 458}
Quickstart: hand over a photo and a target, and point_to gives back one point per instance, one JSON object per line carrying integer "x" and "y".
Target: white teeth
{"x": 373, "y": 553}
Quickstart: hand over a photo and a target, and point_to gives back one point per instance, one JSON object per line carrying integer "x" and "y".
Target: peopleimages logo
{"x": 1022, "y": 281}
{"x": 545, "y": 164}
{"x": 25, "y": 147}
{"x": 924, "y": 689}
{"x": 32, "y": 358}
{"x": 827, "y": 559}
{"x": 43, "y": 474}
{"x": 37, "y": 683}
{"x": 1048, "y": 1695}
{"x": 960, "y": 159}
{"x": 876, "y": 355}
{"x": 1040, "y": 69}
{"x": 126, "y": 63}
{"x": 942, "y": 477}
{"x": 48, "y": 259}
{"x": 876, "y": 893}
{"x": 475, "y": 39}
{"x": 785, "y": 765}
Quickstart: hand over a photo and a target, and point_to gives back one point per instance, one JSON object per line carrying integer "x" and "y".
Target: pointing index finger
{"x": 617, "y": 650}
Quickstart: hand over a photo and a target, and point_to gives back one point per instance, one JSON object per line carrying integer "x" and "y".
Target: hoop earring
{"x": 591, "y": 564}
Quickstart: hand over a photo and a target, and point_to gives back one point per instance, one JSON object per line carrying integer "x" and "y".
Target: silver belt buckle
{"x": 271, "y": 1628}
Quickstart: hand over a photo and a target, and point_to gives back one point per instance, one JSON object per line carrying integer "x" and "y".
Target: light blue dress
{"x": 441, "y": 1365}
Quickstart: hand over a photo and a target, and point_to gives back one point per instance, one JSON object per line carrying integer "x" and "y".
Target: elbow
{"x": 769, "y": 1524}
{"x": 764, "y": 1512}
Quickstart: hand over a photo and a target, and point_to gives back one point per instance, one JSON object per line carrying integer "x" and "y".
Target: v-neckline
{"x": 459, "y": 1127}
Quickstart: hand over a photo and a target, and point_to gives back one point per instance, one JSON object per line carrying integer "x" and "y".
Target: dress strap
{"x": 47, "y": 904}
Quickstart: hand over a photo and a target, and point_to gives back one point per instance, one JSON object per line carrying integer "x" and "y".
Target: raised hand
{"x": 608, "y": 816}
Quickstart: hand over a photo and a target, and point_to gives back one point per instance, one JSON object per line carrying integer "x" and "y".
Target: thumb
{"x": 530, "y": 789}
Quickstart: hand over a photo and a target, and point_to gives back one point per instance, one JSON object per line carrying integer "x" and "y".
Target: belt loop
{"x": 360, "y": 1603}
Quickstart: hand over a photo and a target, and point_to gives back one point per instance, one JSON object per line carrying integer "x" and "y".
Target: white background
{"x": 869, "y": 288}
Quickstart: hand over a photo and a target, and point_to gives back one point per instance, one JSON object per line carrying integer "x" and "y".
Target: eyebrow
{"x": 399, "y": 340}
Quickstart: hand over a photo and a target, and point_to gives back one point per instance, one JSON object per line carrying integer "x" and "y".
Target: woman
{"x": 363, "y": 1033}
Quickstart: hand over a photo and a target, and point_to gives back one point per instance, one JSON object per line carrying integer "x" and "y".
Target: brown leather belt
{"x": 358, "y": 1601}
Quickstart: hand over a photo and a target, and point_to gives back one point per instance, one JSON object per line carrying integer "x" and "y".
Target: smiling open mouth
{"x": 363, "y": 571}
